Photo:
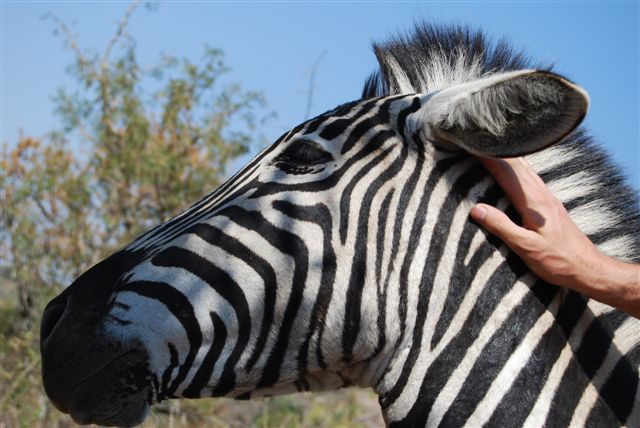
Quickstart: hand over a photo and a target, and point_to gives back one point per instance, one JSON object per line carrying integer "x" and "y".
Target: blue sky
{"x": 272, "y": 46}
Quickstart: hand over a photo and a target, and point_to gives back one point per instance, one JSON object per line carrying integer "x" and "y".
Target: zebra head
{"x": 342, "y": 254}
{"x": 275, "y": 282}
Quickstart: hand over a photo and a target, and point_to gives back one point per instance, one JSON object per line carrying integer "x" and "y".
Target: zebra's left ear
{"x": 506, "y": 115}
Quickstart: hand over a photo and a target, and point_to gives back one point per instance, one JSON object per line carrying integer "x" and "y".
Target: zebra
{"x": 343, "y": 255}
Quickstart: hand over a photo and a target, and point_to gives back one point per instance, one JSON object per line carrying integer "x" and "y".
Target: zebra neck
{"x": 439, "y": 277}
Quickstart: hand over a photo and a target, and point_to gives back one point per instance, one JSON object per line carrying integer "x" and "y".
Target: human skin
{"x": 550, "y": 243}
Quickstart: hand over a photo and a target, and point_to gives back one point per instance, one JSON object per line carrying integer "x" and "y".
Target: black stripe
{"x": 345, "y": 197}
{"x": 205, "y": 371}
{"x": 289, "y": 244}
{"x": 613, "y": 319}
{"x": 178, "y": 304}
{"x": 416, "y": 231}
{"x": 515, "y": 406}
{"x": 303, "y": 385}
{"x": 573, "y": 381}
{"x": 335, "y": 128}
{"x": 228, "y": 289}
{"x": 402, "y": 116}
{"x": 462, "y": 274}
{"x": 593, "y": 348}
{"x": 346, "y": 108}
{"x": 232, "y": 246}
{"x": 320, "y": 215}
{"x": 196, "y": 215}
{"x": 439, "y": 233}
{"x": 633, "y": 355}
{"x": 119, "y": 320}
{"x": 312, "y": 125}
{"x": 204, "y": 215}
{"x": 408, "y": 189}
{"x": 418, "y": 221}
{"x": 601, "y": 415}
{"x": 358, "y": 267}
{"x": 441, "y": 369}
{"x": 380, "y": 117}
{"x": 621, "y": 388}
{"x": 381, "y": 239}
{"x": 166, "y": 374}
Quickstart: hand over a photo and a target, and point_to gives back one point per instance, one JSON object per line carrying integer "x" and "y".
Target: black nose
{"x": 51, "y": 316}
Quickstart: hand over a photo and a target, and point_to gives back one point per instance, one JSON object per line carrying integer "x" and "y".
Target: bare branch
{"x": 44, "y": 211}
{"x": 312, "y": 79}
{"x": 122, "y": 26}
{"x": 69, "y": 37}
{"x": 86, "y": 134}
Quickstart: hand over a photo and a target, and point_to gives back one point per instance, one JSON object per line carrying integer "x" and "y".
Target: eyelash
{"x": 304, "y": 153}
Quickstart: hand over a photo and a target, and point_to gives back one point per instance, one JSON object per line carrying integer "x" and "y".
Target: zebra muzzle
{"x": 89, "y": 374}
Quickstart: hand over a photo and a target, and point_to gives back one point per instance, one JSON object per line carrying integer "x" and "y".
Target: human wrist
{"x": 584, "y": 271}
{"x": 610, "y": 281}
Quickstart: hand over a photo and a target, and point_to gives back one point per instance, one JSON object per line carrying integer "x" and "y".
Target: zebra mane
{"x": 433, "y": 57}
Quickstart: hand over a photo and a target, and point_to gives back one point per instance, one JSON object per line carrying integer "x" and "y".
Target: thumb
{"x": 497, "y": 222}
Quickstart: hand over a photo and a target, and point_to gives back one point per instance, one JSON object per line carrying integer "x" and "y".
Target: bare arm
{"x": 551, "y": 244}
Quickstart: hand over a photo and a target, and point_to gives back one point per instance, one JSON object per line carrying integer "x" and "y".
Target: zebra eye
{"x": 304, "y": 153}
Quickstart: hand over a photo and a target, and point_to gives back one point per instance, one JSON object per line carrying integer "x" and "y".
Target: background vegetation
{"x": 136, "y": 145}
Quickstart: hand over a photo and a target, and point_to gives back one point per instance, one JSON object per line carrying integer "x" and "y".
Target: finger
{"x": 498, "y": 223}
{"x": 510, "y": 166}
{"x": 520, "y": 182}
{"x": 512, "y": 177}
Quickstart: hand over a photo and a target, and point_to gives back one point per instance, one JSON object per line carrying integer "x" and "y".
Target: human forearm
{"x": 612, "y": 282}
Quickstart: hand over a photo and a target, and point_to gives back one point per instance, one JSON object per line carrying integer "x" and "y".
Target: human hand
{"x": 551, "y": 244}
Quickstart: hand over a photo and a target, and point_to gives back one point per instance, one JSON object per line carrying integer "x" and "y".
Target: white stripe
{"x": 538, "y": 415}
{"x": 393, "y": 289}
{"x": 583, "y": 409}
{"x": 478, "y": 283}
{"x": 574, "y": 186}
{"x": 576, "y": 337}
{"x": 448, "y": 394}
{"x": 517, "y": 360}
{"x": 620, "y": 248}
{"x": 594, "y": 216}
{"x": 550, "y": 158}
{"x": 590, "y": 395}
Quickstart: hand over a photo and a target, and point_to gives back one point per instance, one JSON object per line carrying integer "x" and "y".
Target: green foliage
{"x": 136, "y": 144}
{"x": 127, "y": 158}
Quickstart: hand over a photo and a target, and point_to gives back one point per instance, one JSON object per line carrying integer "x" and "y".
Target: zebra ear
{"x": 507, "y": 115}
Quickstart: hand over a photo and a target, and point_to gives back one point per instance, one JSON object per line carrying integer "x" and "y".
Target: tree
{"x": 127, "y": 157}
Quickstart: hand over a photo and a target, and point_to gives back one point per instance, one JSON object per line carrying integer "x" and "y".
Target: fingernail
{"x": 478, "y": 212}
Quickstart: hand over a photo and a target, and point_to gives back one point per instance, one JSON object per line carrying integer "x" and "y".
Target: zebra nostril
{"x": 50, "y": 318}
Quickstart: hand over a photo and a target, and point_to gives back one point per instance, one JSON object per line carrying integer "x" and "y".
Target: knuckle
{"x": 531, "y": 245}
